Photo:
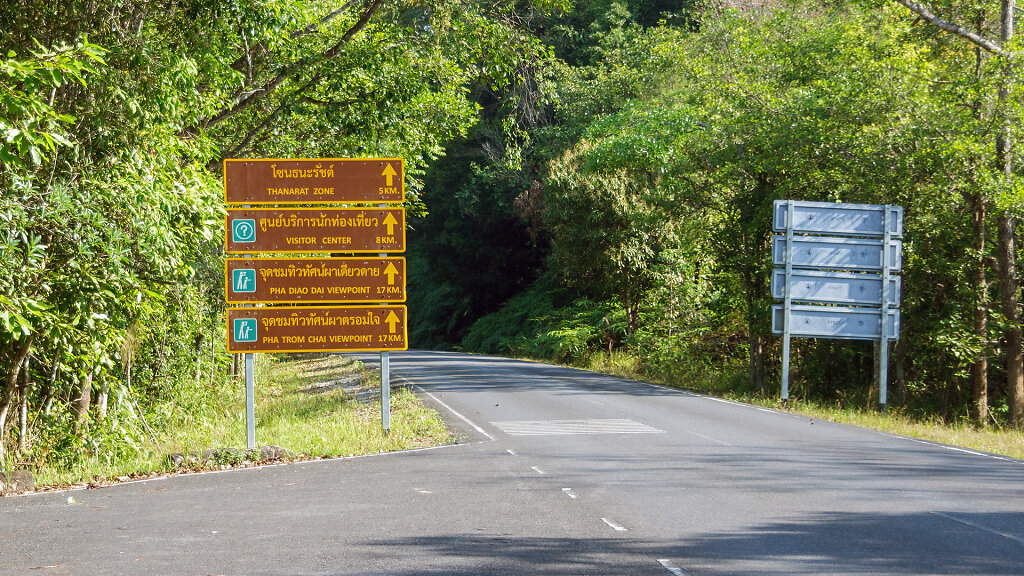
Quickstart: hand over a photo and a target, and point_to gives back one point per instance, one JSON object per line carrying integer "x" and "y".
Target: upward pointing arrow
{"x": 390, "y": 222}
{"x": 390, "y": 272}
{"x": 392, "y": 321}
{"x": 390, "y": 174}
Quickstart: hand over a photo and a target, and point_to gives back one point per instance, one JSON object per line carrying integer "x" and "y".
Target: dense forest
{"x": 628, "y": 207}
{"x": 589, "y": 179}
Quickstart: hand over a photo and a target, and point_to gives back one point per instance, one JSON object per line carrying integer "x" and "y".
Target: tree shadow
{"x": 464, "y": 373}
{"x": 841, "y": 543}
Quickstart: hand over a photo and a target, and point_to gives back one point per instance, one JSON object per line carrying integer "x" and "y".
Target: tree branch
{"x": 960, "y": 31}
{"x": 240, "y": 63}
{"x": 250, "y": 97}
{"x": 248, "y": 138}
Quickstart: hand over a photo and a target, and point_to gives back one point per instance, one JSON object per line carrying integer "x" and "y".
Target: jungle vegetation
{"x": 590, "y": 179}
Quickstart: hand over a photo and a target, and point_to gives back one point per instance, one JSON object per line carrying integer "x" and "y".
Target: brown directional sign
{"x": 318, "y": 329}
{"x": 321, "y": 280}
{"x": 314, "y": 181}
{"x": 305, "y": 230}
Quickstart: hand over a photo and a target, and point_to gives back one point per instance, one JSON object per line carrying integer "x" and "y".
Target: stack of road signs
{"x": 369, "y": 287}
{"x": 838, "y": 274}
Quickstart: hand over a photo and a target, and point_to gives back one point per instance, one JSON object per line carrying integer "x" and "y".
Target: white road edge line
{"x": 614, "y": 525}
{"x": 980, "y": 527}
{"x": 671, "y": 567}
{"x": 952, "y": 448}
{"x": 461, "y": 417}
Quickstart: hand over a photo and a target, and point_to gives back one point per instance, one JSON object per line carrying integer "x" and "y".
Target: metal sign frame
{"x": 824, "y": 287}
{"x": 276, "y": 181}
{"x": 865, "y": 220}
{"x": 859, "y": 247}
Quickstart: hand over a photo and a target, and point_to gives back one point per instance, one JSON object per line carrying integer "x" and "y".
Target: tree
{"x": 110, "y": 159}
{"x": 1005, "y": 185}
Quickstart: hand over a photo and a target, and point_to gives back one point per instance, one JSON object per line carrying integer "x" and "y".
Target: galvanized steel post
{"x": 385, "y": 382}
{"x": 788, "y": 306}
{"x": 250, "y": 400}
{"x": 883, "y": 348}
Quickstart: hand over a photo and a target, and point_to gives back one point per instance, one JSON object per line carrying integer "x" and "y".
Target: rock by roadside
{"x": 16, "y": 481}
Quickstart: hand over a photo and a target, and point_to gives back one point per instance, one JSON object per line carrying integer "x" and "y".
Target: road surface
{"x": 557, "y": 472}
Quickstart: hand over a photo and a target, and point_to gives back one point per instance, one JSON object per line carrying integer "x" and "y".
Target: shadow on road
{"x": 834, "y": 543}
{"x": 463, "y": 373}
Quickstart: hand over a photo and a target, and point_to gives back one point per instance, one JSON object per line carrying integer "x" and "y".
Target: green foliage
{"x": 32, "y": 128}
{"x": 114, "y": 117}
{"x": 671, "y": 142}
{"x": 534, "y": 324}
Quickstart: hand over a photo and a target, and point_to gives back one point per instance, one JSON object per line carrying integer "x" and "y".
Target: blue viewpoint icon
{"x": 243, "y": 280}
{"x": 245, "y": 330}
{"x": 243, "y": 230}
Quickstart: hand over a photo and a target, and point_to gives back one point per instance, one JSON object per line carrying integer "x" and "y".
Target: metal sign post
{"x": 291, "y": 280}
{"x": 250, "y": 395}
{"x": 883, "y": 346}
{"x": 250, "y": 400}
{"x": 385, "y": 392}
{"x": 385, "y": 384}
{"x": 788, "y": 303}
{"x": 841, "y": 283}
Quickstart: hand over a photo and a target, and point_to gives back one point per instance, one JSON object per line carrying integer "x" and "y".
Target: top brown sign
{"x": 316, "y": 181}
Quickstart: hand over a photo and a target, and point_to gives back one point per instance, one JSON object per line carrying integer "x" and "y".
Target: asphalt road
{"x": 559, "y": 472}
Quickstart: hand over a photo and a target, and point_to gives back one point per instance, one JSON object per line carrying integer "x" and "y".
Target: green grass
{"x": 314, "y": 405}
{"x": 1003, "y": 441}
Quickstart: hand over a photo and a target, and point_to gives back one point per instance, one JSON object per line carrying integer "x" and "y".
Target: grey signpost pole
{"x": 788, "y": 306}
{"x": 250, "y": 400}
{"x": 250, "y": 394}
{"x": 385, "y": 382}
{"x": 385, "y": 391}
{"x": 883, "y": 347}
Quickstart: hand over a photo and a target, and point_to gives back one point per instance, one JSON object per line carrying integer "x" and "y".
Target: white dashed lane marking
{"x": 615, "y": 525}
{"x": 676, "y": 570}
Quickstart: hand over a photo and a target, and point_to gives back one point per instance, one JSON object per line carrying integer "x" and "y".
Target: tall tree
{"x": 110, "y": 192}
{"x": 1005, "y": 114}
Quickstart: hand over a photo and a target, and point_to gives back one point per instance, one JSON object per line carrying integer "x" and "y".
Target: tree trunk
{"x": 979, "y": 370}
{"x": 23, "y": 390}
{"x": 10, "y": 385}
{"x": 102, "y": 399}
{"x": 199, "y": 359}
{"x": 80, "y": 405}
{"x": 1007, "y": 238}
{"x": 756, "y": 359}
{"x": 51, "y": 387}
{"x": 1010, "y": 309}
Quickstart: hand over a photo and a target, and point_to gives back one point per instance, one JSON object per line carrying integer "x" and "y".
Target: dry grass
{"x": 314, "y": 405}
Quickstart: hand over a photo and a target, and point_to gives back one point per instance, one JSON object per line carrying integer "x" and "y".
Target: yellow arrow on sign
{"x": 390, "y": 222}
{"x": 390, "y": 272}
{"x": 390, "y": 173}
{"x": 392, "y": 321}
